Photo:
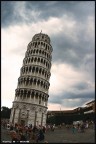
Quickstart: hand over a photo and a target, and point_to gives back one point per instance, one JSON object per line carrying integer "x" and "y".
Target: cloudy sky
{"x": 70, "y": 26}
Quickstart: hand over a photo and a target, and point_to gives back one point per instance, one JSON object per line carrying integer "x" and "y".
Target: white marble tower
{"x": 31, "y": 95}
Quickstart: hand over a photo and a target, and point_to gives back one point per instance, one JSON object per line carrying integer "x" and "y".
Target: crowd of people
{"x": 80, "y": 127}
{"x": 26, "y": 133}
{"x": 36, "y": 134}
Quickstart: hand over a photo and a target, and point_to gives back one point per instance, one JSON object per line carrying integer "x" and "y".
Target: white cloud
{"x": 63, "y": 77}
{"x": 53, "y": 107}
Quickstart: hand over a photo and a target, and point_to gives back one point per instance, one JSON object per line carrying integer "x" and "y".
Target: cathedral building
{"x": 31, "y": 95}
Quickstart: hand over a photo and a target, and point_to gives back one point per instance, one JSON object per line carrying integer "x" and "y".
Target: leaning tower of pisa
{"x": 31, "y": 95}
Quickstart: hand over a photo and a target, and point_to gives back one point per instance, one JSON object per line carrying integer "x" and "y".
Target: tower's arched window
{"x": 34, "y": 81}
{"x": 45, "y": 75}
{"x": 33, "y": 69}
{"x": 32, "y": 59}
{"x": 33, "y": 51}
{"x": 40, "y": 71}
{"x": 43, "y": 72}
{"x": 40, "y": 51}
{"x": 26, "y": 60}
{"x": 45, "y": 40}
{"x": 26, "y": 69}
{"x": 48, "y": 65}
{"x": 35, "y": 44}
{"x": 39, "y": 100}
{"x": 41, "y": 83}
{"x": 36, "y": 51}
{"x": 38, "y": 82}
{"x": 38, "y": 43}
{"x": 48, "y": 57}
{"x": 44, "y": 62}
{"x": 41, "y": 60}
{"x": 45, "y": 53}
{"x": 38, "y": 59}
{"x": 29, "y": 60}
{"x": 35, "y": 59}
{"x": 30, "y": 69}
{"x": 46, "y": 47}
{"x": 37, "y": 69}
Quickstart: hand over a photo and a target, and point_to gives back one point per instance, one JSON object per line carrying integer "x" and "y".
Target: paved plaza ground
{"x": 62, "y": 135}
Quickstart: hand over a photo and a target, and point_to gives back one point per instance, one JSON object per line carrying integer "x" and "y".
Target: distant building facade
{"x": 68, "y": 116}
{"x": 31, "y": 95}
{"x": 90, "y": 107}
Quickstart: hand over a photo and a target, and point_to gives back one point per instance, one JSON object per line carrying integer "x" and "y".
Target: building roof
{"x": 61, "y": 111}
{"x": 93, "y": 101}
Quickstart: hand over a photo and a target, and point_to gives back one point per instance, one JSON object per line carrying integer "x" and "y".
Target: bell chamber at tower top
{"x": 41, "y": 37}
{"x": 40, "y": 40}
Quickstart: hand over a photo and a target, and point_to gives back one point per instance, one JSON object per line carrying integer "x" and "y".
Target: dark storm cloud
{"x": 77, "y": 10}
{"x": 72, "y": 95}
{"x": 7, "y": 14}
{"x": 77, "y": 103}
{"x": 81, "y": 91}
{"x": 66, "y": 50}
{"x": 81, "y": 86}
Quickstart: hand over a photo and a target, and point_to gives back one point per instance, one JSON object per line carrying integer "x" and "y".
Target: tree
{"x": 5, "y": 112}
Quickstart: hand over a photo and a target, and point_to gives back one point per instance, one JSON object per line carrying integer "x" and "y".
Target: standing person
{"x": 22, "y": 137}
{"x": 44, "y": 129}
{"x": 40, "y": 136}
{"x": 73, "y": 129}
{"x": 31, "y": 126}
{"x": 34, "y": 130}
{"x": 11, "y": 127}
{"x": 14, "y": 137}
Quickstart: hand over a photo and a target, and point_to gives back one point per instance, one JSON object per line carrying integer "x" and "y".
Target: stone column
{"x": 46, "y": 102}
{"x": 26, "y": 96}
{"x": 22, "y": 96}
{"x": 27, "y": 116}
{"x": 35, "y": 118}
{"x": 42, "y": 119}
{"x": 30, "y": 97}
{"x": 34, "y": 98}
{"x": 19, "y": 116}
{"x": 41, "y": 100}
{"x": 13, "y": 115}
